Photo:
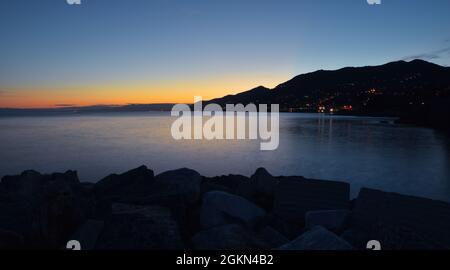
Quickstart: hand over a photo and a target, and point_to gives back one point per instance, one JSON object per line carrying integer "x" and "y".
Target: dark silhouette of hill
{"x": 391, "y": 89}
{"x": 417, "y": 91}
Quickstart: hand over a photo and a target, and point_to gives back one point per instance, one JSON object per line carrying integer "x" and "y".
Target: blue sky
{"x": 144, "y": 43}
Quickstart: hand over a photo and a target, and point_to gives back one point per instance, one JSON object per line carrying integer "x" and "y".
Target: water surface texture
{"x": 363, "y": 151}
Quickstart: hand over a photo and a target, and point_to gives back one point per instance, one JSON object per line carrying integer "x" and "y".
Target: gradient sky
{"x": 156, "y": 51}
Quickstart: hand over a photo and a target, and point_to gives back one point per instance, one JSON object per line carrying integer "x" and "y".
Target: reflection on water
{"x": 363, "y": 151}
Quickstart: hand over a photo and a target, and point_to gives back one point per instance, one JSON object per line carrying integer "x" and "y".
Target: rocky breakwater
{"x": 182, "y": 210}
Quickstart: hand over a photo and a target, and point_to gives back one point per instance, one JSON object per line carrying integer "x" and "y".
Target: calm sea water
{"x": 363, "y": 151}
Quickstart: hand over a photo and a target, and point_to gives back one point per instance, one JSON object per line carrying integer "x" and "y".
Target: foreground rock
{"x": 333, "y": 220}
{"x": 140, "y": 227}
{"x": 181, "y": 209}
{"x": 259, "y": 189}
{"x": 126, "y": 187}
{"x": 182, "y": 185}
{"x": 228, "y": 237}
{"x": 399, "y": 221}
{"x": 220, "y": 208}
{"x": 44, "y": 209}
{"x": 272, "y": 237}
{"x": 295, "y": 196}
{"x": 88, "y": 234}
{"x": 11, "y": 240}
{"x": 318, "y": 238}
{"x": 228, "y": 183}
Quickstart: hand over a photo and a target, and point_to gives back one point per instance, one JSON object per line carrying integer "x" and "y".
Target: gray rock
{"x": 10, "y": 240}
{"x": 294, "y": 196}
{"x": 182, "y": 185}
{"x": 265, "y": 183}
{"x": 56, "y": 218}
{"x": 259, "y": 189}
{"x": 318, "y": 238}
{"x": 126, "y": 187}
{"x": 16, "y": 216}
{"x": 401, "y": 222}
{"x": 228, "y": 183}
{"x": 272, "y": 237}
{"x": 358, "y": 239}
{"x": 31, "y": 184}
{"x": 220, "y": 208}
{"x": 140, "y": 227}
{"x": 88, "y": 234}
{"x": 228, "y": 237}
{"x": 45, "y": 209}
{"x": 333, "y": 220}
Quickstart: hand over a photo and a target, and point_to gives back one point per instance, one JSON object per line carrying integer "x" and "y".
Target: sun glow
{"x": 130, "y": 93}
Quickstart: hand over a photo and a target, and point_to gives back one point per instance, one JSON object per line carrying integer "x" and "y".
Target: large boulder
{"x": 16, "y": 216}
{"x": 318, "y": 238}
{"x": 228, "y": 237}
{"x": 259, "y": 189}
{"x": 228, "y": 183}
{"x": 10, "y": 240}
{"x": 126, "y": 187}
{"x": 88, "y": 234}
{"x": 31, "y": 185}
{"x": 272, "y": 237}
{"x": 399, "y": 221}
{"x": 220, "y": 208}
{"x": 45, "y": 209}
{"x": 265, "y": 183}
{"x": 134, "y": 227}
{"x": 183, "y": 185}
{"x": 333, "y": 220}
{"x": 295, "y": 196}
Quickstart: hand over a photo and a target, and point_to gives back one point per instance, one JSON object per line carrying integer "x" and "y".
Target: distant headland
{"x": 418, "y": 92}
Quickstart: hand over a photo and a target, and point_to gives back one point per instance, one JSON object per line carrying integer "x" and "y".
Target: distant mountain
{"x": 390, "y": 89}
{"x": 86, "y": 109}
{"x": 251, "y": 96}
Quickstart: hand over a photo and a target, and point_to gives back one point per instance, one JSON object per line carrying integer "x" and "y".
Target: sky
{"x": 167, "y": 51}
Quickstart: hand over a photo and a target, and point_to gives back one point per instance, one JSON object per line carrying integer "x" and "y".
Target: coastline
{"x": 183, "y": 210}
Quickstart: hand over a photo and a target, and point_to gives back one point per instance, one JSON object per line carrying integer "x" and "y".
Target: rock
{"x": 10, "y": 240}
{"x": 45, "y": 209}
{"x": 272, "y": 237}
{"x": 229, "y": 183}
{"x": 401, "y": 222}
{"x": 220, "y": 208}
{"x": 126, "y": 187}
{"x": 182, "y": 185}
{"x": 260, "y": 189}
{"x": 356, "y": 238}
{"x": 16, "y": 216}
{"x": 294, "y": 196}
{"x": 228, "y": 237}
{"x": 88, "y": 234}
{"x": 333, "y": 220}
{"x": 288, "y": 229}
{"x": 318, "y": 238}
{"x": 265, "y": 183}
{"x": 56, "y": 218}
{"x": 140, "y": 227}
{"x": 31, "y": 184}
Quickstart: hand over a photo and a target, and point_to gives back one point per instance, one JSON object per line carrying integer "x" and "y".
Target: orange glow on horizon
{"x": 126, "y": 93}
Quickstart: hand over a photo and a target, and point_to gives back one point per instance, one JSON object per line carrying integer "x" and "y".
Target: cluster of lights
{"x": 323, "y": 109}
